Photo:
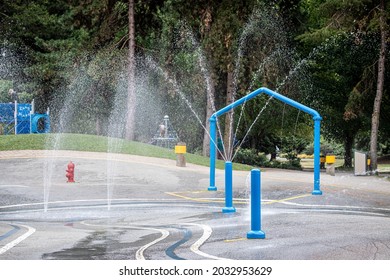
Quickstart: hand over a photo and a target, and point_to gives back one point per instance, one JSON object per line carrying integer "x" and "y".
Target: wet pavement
{"x": 151, "y": 209}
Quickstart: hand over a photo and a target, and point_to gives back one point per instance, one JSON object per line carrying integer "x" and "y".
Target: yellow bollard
{"x": 330, "y": 161}
{"x": 180, "y": 151}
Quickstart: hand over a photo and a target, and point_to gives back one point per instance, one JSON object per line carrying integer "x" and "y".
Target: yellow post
{"x": 331, "y": 159}
{"x": 180, "y": 150}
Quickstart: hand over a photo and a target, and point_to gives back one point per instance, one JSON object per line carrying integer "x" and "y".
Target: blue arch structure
{"x": 317, "y": 124}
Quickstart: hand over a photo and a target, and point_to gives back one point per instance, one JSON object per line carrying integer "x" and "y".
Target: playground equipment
{"x": 20, "y": 118}
{"x": 165, "y": 136}
{"x": 213, "y": 142}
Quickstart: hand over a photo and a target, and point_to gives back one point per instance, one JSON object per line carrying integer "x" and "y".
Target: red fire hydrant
{"x": 70, "y": 172}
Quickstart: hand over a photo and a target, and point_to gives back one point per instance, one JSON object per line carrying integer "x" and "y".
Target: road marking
{"x": 342, "y": 207}
{"x": 83, "y": 200}
{"x": 30, "y": 230}
{"x": 139, "y": 255}
{"x": 235, "y": 240}
{"x": 170, "y": 251}
{"x": 189, "y": 198}
{"x": 286, "y": 199}
{"x": 146, "y": 204}
{"x": 210, "y": 200}
{"x": 207, "y": 231}
{"x": 235, "y": 201}
{"x": 9, "y": 233}
{"x": 14, "y": 186}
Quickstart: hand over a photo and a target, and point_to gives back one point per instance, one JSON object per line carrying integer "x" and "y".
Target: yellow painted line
{"x": 287, "y": 199}
{"x": 218, "y": 200}
{"x": 222, "y": 200}
{"x": 234, "y": 240}
{"x": 188, "y": 198}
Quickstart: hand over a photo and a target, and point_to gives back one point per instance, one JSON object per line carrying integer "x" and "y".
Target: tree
{"x": 380, "y": 85}
{"x": 327, "y": 21}
{"x": 131, "y": 98}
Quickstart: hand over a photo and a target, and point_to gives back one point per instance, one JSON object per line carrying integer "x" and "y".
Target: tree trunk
{"x": 209, "y": 112}
{"x": 379, "y": 91}
{"x": 228, "y": 135}
{"x": 98, "y": 126}
{"x": 348, "y": 144}
{"x": 210, "y": 94}
{"x": 131, "y": 98}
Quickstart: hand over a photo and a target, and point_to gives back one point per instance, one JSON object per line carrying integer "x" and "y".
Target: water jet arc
{"x": 317, "y": 124}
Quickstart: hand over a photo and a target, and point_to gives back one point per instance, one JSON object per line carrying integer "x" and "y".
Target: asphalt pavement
{"x": 124, "y": 207}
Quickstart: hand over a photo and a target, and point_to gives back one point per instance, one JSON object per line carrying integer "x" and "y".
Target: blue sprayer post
{"x": 228, "y": 188}
{"x": 213, "y": 133}
{"x": 255, "y": 232}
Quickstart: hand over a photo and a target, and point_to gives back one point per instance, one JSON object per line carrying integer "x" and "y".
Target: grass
{"x": 384, "y": 167}
{"x": 93, "y": 143}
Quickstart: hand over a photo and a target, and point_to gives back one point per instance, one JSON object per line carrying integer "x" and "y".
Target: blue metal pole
{"x": 228, "y": 188}
{"x": 291, "y": 102}
{"x": 317, "y": 144}
{"x": 255, "y": 232}
{"x": 238, "y": 102}
{"x": 269, "y": 92}
{"x": 213, "y": 134}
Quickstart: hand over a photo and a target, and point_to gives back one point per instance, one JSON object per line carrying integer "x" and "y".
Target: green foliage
{"x": 326, "y": 19}
{"x": 327, "y": 147}
{"x": 51, "y": 50}
{"x": 5, "y": 86}
{"x": 254, "y": 158}
{"x": 250, "y": 157}
{"x": 293, "y": 163}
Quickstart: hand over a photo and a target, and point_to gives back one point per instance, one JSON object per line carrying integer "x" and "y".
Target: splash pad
{"x": 228, "y": 169}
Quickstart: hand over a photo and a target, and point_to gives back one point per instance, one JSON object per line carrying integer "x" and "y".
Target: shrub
{"x": 253, "y": 157}
{"x": 250, "y": 157}
{"x": 293, "y": 164}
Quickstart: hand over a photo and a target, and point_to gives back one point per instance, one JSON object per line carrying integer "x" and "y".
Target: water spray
{"x": 317, "y": 123}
